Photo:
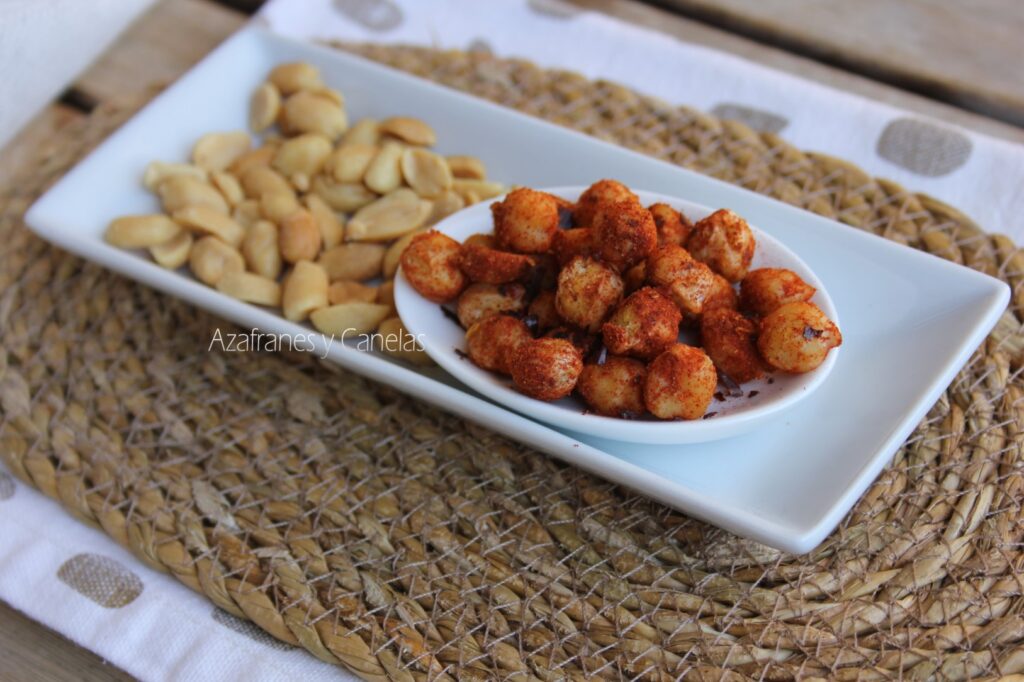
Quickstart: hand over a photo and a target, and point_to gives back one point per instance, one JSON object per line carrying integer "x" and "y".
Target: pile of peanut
{"x": 314, "y": 216}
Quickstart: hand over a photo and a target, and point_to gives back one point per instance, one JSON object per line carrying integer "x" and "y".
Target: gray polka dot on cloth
{"x": 376, "y": 15}
{"x": 249, "y": 629}
{"x": 7, "y": 486}
{"x": 554, "y": 8}
{"x": 758, "y": 119}
{"x": 924, "y": 147}
{"x": 100, "y": 579}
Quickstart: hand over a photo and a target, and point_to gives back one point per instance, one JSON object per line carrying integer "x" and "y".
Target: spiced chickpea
{"x": 587, "y": 292}
{"x": 525, "y": 221}
{"x": 568, "y": 244}
{"x": 615, "y": 387}
{"x": 673, "y": 226}
{"x": 624, "y": 234}
{"x": 481, "y": 300}
{"x": 680, "y": 383}
{"x": 728, "y": 339}
{"x": 584, "y": 341}
{"x": 431, "y": 264}
{"x": 635, "y": 277}
{"x": 601, "y": 192}
{"x": 687, "y": 281}
{"x": 546, "y": 369}
{"x": 722, "y": 295}
{"x": 644, "y": 325}
{"x": 724, "y": 241}
{"x": 797, "y": 337}
{"x": 483, "y": 264}
{"x": 542, "y": 310}
{"x": 491, "y": 342}
{"x": 765, "y": 289}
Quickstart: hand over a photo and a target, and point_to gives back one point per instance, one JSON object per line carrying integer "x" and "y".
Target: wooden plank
{"x": 964, "y": 53}
{"x": 21, "y": 151}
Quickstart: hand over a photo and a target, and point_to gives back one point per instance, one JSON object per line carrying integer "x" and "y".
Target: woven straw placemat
{"x": 383, "y": 535}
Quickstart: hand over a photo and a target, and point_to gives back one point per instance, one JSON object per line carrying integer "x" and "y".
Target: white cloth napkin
{"x": 82, "y": 584}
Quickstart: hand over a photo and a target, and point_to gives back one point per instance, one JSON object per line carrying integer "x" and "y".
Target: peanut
{"x": 264, "y": 107}
{"x": 347, "y": 291}
{"x": 304, "y": 154}
{"x": 353, "y": 261}
{"x": 173, "y": 253}
{"x": 349, "y": 162}
{"x": 347, "y": 319}
{"x": 255, "y": 157}
{"x": 364, "y": 131}
{"x": 307, "y": 112}
{"x": 384, "y": 173}
{"x": 294, "y": 76}
{"x": 245, "y": 286}
{"x": 228, "y": 186}
{"x": 210, "y": 258}
{"x": 158, "y": 171}
{"x": 332, "y": 230}
{"x": 386, "y": 295}
{"x": 477, "y": 190}
{"x": 398, "y": 342}
{"x": 299, "y": 237}
{"x": 276, "y": 206}
{"x": 259, "y": 180}
{"x": 259, "y": 247}
{"x": 444, "y": 206}
{"x": 344, "y": 197}
{"x": 206, "y": 220}
{"x": 390, "y": 217}
{"x": 467, "y": 167}
{"x": 217, "y": 151}
{"x": 179, "y": 191}
{"x": 305, "y": 290}
{"x": 247, "y": 212}
{"x": 141, "y": 231}
{"x": 411, "y": 130}
{"x": 394, "y": 254}
{"x": 426, "y": 172}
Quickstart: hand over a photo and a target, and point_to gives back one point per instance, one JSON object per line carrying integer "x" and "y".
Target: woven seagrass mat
{"x": 383, "y": 535}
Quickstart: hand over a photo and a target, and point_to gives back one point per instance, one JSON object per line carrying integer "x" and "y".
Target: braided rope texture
{"x": 385, "y": 536}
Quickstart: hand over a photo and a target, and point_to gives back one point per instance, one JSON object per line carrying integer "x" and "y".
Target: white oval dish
{"x": 445, "y": 342}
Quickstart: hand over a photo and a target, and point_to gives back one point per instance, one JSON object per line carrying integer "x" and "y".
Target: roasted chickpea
{"x": 546, "y": 369}
{"x": 526, "y": 221}
{"x": 673, "y": 226}
{"x": 491, "y": 342}
{"x": 584, "y": 341}
{"x": 568, "y": 244}
{"x": 722, "y": 295}
{"x": 431, "y": 264}
{"x": 644, "y": 325}
{"x": 765, "y": 289}
{"x": 544, "y": 274}
{"x": 482, "y": 300}
{"x": 479, "y": 239}
{"x": 624, "y": 234}
{"x": 635, "y": 277}
{"x": 689, "y": 282}
{"x": 542, "y": 310}
{"x": 797, "y": 337}
{"x": 587, "y": 292}
{"x": 601, "y": 192}
{"x": 483, "y": 264}
{"x": 724, "y": 241}
{"x": 614, "y": 388}
{"x": 728, "y": 339}
{"x": 680, "y": 383}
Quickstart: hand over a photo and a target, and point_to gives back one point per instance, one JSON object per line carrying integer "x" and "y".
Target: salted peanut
{"x": 728, "y": 339}
{"x": 546, "y": 369}
{"x": 635, "y": 277}
{"x": 542, "y": 312}
{"x": 722, "y": 295}
{"x": 228, "y": 185}
{"x": 345, "y": 197}
{"x": 205, "y": 220}
{"x": 308, "y": 112}
{"x": 261, "y": 156}
{"x": 614, "y": 387}
{"x": 259, "y": 247}
{"x": 349, "y": 162}
{"x": 601, "y": 192}
{"x": 210, "y": 258}
{"x": 390, "y": 217}
{"x": 473, "y": 191}
{"x": 264, "y": 106}
{"x": 247, "y": 212}
{"x": 173, "y": 253}
{"x": 797, "y": 337}
{"x": 304, "y": 290}
{"x": 765, "y": 289}
{"x": 276, "y": 206}
{"x": 332, "y": 230}
{"x": 330, "y": 94}
{"x": 431, "y": 264}
{"x": 478, "y": 301}
{"x": 294, "y": 76}
{"x": 426, "y": 172}
{"x": 299, "y": 237}
{"x": 725, "y": 242}
{"x": 349, "y": 319}
{"x": 588, "y": 291}
{"x": 393, "y": 256}
{"x": 479, "y": 239}
{"x": 258, "y": 180}
{"x": 305, "y": 155}
{"x": 386, "y": 295}
{"x": 483, "y": 264}
{"x": 396, "y": 341}
{"x": 688, "y": 282}
{"x": 680, "y": 383}
{"x": 491, "y": 342}
{"x": 141, "y": 231}
{"x": 158, "y": 171}
{"x": 410, "y": 130}
{"x": 447, "y": 203}
{"x": 384, "y": 174}
{"x": 623, "y": 233}
{"x": 467, "y": 167}
{"x": 567, "y": 244}
{"x": 251, "y": 288}
{"x": 347, "y": 291}
{"x": 644, "y": 325}
{"x": 364, "y": 131}
{"x": 217, "y": 151}
{"x": 673, "y": 226}
{"x": 179, "y": 191}
{"x": 300, "y": 181}
{"x": 525, "y": 221}
{"x": 470, "y": 197}
{"x": 353, "y": 261}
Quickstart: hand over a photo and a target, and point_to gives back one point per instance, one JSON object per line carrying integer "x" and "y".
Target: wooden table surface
{"x": 173, "y": 36}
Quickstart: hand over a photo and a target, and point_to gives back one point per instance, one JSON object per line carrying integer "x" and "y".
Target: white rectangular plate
{"x": 910, "y": 320}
